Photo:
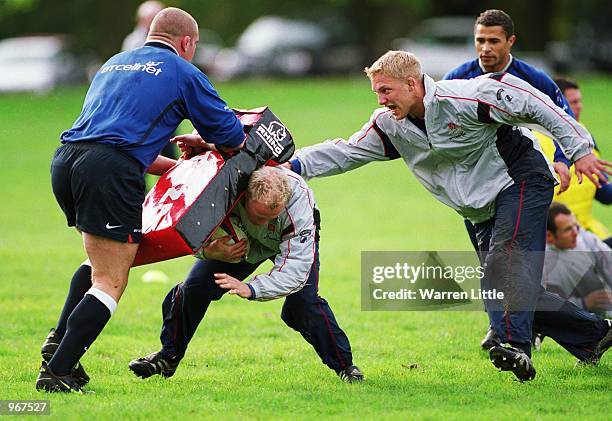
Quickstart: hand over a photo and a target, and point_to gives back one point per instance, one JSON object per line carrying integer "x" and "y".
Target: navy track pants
{"x": 304, "y": 311}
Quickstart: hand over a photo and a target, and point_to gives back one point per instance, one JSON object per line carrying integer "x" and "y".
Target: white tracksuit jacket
{"x": 290, "y": 239}
{"x": 473, "y": 148}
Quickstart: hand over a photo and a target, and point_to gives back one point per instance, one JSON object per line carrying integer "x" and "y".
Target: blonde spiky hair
{"x": 269, "y": 185}
{"x": 398, "y": 65}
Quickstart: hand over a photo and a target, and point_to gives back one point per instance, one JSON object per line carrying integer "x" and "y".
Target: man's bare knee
{"x": 113, "y": 287}
{"x": 110, "y": 261}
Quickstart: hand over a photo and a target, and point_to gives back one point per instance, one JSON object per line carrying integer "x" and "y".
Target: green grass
{"x": 243, "y": 362}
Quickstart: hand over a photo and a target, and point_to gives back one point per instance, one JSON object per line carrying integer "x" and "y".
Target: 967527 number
{"x": 30, "y": 407}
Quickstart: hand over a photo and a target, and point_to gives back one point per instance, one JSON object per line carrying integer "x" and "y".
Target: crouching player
{"x": 281, "y": 222}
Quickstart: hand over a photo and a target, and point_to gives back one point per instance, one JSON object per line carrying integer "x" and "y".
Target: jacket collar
{"x": 162, "y": 44}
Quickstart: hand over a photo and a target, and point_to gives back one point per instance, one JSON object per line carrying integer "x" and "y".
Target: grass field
{"x": 244, "y": 363}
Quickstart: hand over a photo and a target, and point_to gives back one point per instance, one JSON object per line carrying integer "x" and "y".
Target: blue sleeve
{"x": 451, "y": 75}
{"x": 604, "y": 194}
{"x": 560, "y": 156}
{"x": 253, "y": 295}
{"x": 210, "y": 115}
{"x": 544, "y": 83}
{"x": 467, "y": 70}
{"x": 296, "y": 166}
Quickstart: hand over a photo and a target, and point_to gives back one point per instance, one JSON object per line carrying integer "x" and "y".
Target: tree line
{"x": 98, "y": 27}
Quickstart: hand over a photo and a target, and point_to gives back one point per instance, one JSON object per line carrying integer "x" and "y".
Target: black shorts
{"x": 100, "y": 189}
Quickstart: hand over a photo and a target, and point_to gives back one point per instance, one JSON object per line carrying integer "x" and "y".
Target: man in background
{"x": 580, "y": 197}
{"x": 144, "y": 16}
{"x": 494, "y": 38}
{"x": 577, "y": 265}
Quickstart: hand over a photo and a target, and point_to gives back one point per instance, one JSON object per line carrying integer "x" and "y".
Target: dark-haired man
{"x": 494, "y": 38}
{"x": 578, "y": 265}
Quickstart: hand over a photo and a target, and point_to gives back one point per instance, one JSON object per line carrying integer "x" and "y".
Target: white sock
{"x": 104, "y": 298}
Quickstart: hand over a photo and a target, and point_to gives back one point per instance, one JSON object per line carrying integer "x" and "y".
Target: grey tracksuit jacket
{"x": 574, "y": 273}
{"x": 290, "y": 239}
{"x": 472, "y": 148}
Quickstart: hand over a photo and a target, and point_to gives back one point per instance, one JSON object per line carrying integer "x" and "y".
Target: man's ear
{"x": 512, "y": 40}
{"x": 185, "y": 42}
{"x": 411, "y": 82}
{"x": 550, "y": 237}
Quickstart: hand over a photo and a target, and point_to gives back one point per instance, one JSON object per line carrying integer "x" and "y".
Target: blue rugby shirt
{"x": 138, "y": 98}
{"x": 532, "y": 75}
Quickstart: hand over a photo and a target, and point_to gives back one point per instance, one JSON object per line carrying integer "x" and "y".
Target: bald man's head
{"x": 174, "y": 22}
{"x": 177, "y": 27}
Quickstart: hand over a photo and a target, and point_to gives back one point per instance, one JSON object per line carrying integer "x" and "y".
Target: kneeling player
{"x": 281, "y": 223}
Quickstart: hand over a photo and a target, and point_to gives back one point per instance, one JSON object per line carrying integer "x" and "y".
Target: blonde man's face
{"x": 396, "y": 95}
{"x": 260, "y": 213}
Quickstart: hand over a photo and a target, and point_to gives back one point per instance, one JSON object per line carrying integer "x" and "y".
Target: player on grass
{"x": 134, "y": 104}
{"x": 461, "y": 140}
{"x": 494, "y": 38}
{"x": 282, "y": 224}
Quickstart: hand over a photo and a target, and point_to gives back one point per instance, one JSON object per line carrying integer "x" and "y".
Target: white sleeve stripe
{"x": 371, "y": 127}
{"x": 288, "y": 243}
{"x": 299, "y": 286}
{"x": 307, "y": 190}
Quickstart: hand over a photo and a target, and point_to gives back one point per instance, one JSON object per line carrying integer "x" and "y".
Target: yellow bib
{"x": 578, "y": 197}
